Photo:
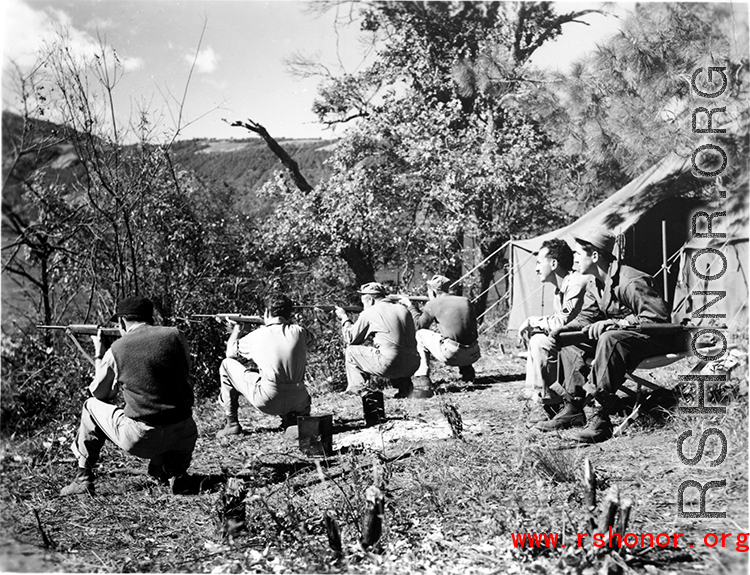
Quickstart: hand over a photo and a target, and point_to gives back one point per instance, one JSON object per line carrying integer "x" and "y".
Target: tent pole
{"x": 665, "y": 272}
{"x": 511, "y": 278}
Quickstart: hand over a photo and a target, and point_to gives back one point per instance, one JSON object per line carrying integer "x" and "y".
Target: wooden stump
{"x": 231, "y": 508}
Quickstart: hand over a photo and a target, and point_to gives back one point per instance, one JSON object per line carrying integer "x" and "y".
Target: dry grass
{"x": 451, "y": 503}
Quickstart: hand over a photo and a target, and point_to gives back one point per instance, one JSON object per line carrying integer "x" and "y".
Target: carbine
{"x": 422, "y": 298}
{"x": 357, "y": 309}
{"x": 84, "y": 329}
{"x": 238, "y": 317}
{"x": 574, "y": 337}
{"x": 329, "y": 307}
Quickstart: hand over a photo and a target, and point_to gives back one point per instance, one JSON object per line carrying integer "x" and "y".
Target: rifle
{"x": 330, "y": 307}
{"x": 84, "y": 329}
{"x": 237, "y": 317}
{"x": 397, "y": 297}
{"x": 357, "y": 309}
{"x": 574, "y": 337}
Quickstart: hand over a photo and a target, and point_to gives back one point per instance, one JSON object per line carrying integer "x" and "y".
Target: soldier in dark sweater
{"x": 455, "y": 343}
{"x": 151, "y": 366}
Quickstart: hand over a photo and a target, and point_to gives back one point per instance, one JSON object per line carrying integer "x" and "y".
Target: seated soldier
{"x": 380, "y": 343}
{"x": 625, "y": 296}
{"x": 151, "y": 365}
{"x": 554, "y": 265}
{"x": 279, "y": 350}
{"x": 455, "y": 343}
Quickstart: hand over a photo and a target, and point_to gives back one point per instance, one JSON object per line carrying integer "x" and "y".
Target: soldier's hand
{"x": 101, "y": 343}
{"x": 340, "y": 313}
{"x": 553, "y": 338}
{"x": 596, "y": 329}
{"x": 405, "y": 301}
{"x": 524, "y": 331}
{"x": 230, "y": 325}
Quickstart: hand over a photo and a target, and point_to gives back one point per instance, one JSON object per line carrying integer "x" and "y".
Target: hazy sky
{"x": 240, "y": 70}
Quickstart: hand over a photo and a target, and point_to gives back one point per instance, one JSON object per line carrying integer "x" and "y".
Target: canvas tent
{"x": 652, "y": 217}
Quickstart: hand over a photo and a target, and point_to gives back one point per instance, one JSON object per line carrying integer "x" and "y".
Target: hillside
{"x": 245, "y": 165}
{"x": 242, "y": 165}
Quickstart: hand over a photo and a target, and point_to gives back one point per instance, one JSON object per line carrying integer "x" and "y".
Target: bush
{"x": 40, "y": 384}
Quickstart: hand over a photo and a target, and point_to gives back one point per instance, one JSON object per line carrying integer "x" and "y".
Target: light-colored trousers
{"x": 541, "y": 364}
{"x": 447, "y": 351}
{"x": 364, "y": 360}
{"x": 266, "y": 396}
{"x": 168, "y": 445}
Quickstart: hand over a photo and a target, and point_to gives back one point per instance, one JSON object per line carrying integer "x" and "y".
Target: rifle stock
{"x": 84, "y": 329}
{"x": 238, "y": 317}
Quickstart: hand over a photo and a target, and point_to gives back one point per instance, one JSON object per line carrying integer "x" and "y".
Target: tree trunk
{"x": 359, "y": 264}
{"x": 487, "y": 273}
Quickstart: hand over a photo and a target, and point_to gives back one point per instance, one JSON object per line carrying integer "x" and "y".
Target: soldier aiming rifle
{"x": 279, "y": 350}
{"x": 151, "y": 366}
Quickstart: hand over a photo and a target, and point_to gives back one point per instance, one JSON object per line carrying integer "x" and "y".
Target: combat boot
{"x": 599, "y": 429}
{"x": 231, "y": 427}
{"x": 82, "y": 484}
{"x": 156, "y": 470}
{"x": 405, "y": 387}
{"x": 570, "y": 416}
{"x": 182, "y": 484}
{"x": 467, "y": 373}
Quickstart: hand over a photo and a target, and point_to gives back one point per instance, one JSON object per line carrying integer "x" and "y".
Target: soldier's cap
{"x": 439, "y": 283}
{"x": 601, "y": 238}
{"x": 373, "y": 288}
{"x": 134, "y": 305}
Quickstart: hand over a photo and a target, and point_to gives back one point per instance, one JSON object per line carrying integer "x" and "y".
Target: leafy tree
{"x": 440, "y": 153}
{"x": 631, "y": 102}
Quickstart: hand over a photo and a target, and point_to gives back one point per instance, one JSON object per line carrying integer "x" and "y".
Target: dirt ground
{"x": 454, "y": 492}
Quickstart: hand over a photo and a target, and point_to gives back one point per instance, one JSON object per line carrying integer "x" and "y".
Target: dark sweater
{"x": 454, "y": 315}
{"x": 153, "y": 371}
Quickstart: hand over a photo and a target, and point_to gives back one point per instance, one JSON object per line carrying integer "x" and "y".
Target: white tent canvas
{"x": 652, "y": 217}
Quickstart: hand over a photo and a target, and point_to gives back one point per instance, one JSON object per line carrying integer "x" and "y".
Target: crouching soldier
{"x": 151, "y": 366}
{"x": 455, "y": 343}
{"x": 276, "y": 387}
{"x": 380, "y": 343}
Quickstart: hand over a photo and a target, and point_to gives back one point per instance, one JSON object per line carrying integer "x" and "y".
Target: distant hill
{"x": 245, "y": 165}
{"x": 242, "y": 165}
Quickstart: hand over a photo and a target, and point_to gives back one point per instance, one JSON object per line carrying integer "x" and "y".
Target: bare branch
{"x": 290, "y": 164}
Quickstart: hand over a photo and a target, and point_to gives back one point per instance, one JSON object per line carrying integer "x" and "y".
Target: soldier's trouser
{"x": 541, "y": 364}
{"x": 617, "y": 352}
{"x": 447, "y": 351}
{"x": 169, "y": 445}
{"x": 363, "y": 361}
{"x": 266, "y": 396}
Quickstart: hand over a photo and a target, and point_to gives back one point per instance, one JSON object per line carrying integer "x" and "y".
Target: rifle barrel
{"x": 238, "y": 317}
{"x": 84, "y": 329}
{"x": 411, "y": 297}
{"x": 329, "y": 307}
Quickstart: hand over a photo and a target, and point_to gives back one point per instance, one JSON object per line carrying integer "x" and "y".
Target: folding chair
{"x": 644, "y": 388}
